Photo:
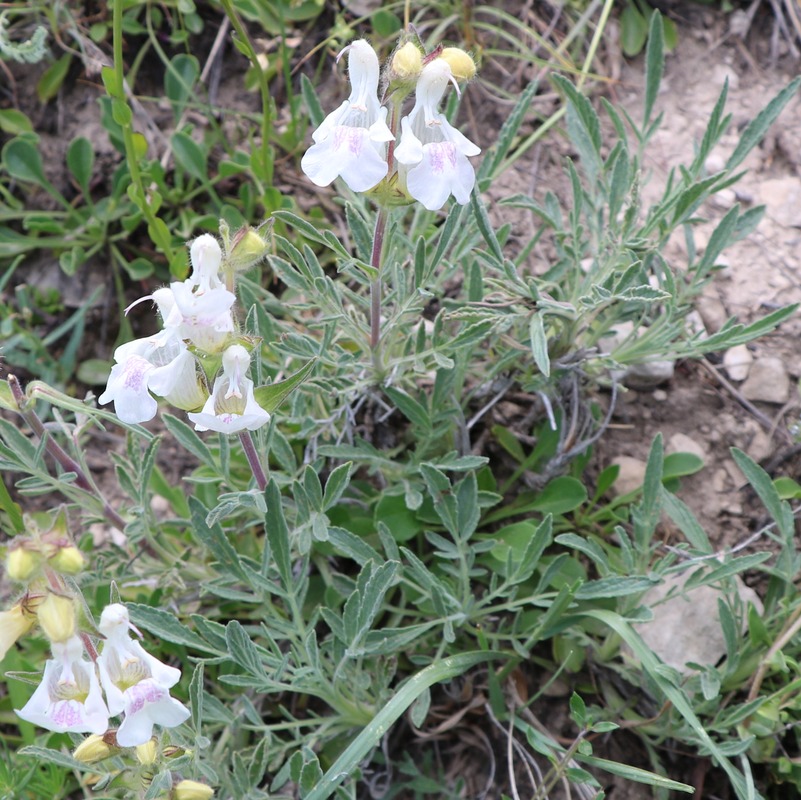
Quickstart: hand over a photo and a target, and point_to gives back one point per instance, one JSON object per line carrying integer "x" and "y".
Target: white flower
{"x": 69, "y": 697}
{"x": 206, "y": 256}
{"x": 231, "y": 407}
{"x": 204, "y": 318}
{"x": 432, "y": 153}
{"x": 351, "y": 142}
{"x": 136, "y": 684}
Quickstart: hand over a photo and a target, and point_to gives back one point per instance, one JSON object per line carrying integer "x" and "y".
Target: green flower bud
{"x": 68, "y": 560}
{"x": 248, "y": 247}
{"x": 93, "y": 749}
{"x": 147, "y": 753}
{"x": 22, "y": 563}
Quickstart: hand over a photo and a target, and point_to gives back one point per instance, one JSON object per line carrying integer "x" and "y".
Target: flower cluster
{"x": 70, "y": 696}
{"x": 198, "y": 335}
{"x": 429, "y": 162}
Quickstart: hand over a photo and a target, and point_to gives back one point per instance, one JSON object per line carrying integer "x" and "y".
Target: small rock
{"x": 737, "y": 360}
{"x": 681, "y": 443}
{"x": 767, "y": 381}
{"x": 714, "y": 163}
{"x": 761, "y": 446}
{"x": 695, "y": 324}
{"x": 782, "y": 196}
{"x": 648, "y": 374}
{"x": 631, "y": 475}
{"x": 724, "y": 199}
{"x": 660, "y": 395}
{"x": 712, "y": 312}
{"x": 720, "y": 481}
{"x": 687, "y": 626}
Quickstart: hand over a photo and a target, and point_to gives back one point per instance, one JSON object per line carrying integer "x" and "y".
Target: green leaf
{"x": 190, "y": 156}
{"x": 414, "y": 411}
{"x": 560, "y": 496}
{"x": 654, "y": 65}
{"x": 633, "y": 30}
{"x": 53, "y": 77}
{"x": 764, "y": 487}
{"x": 372, "y": 734}
{"x": 271, "y": 396}
{"x": 758, "y": 127}
{"x": 22, "y": 161}
{"x": 677, "y": 465}
{"x": 485, "y": 227}
{"x": 394, "y": 512}
{"x": 81, "y": 160}
{"x": 188, "y": 438}
{"x": 635, "y": 774}
{"x": 164, "y": 625}
{"x": 615, "y": 587}
{"x": 539, "y": 344}
{"x": 14, "y": 122}
{"x": 680, "y": 513}
{"x": 214, "y": 539}
{"x": 243, "y": 651}
{"x": 179, "y": 81}
{"x": 278, "y": 535}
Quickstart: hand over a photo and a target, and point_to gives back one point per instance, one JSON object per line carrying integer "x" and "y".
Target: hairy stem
{"x": 67, "y": 462}
{"x": 253, "y": 459}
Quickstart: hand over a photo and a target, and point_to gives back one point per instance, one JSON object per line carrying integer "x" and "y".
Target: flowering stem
{"x": 253, "y": 459}
{"x": 66, "y": 461}
{"x": 375, "y": 286}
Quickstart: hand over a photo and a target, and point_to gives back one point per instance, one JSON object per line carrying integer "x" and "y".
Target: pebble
{"x": 761, "y": 446}
{"x": 648, "y": 374}
{"x": 737, "y": 360}
{"x": 782, "y": 196}
{"x": 767, "y": 381}
{"x": 712, "y": 312}
{"x": 631, "y": 475}
{"x": 682, "y": 443}
{"x": 660, "y": 395}
{"x": 686, "y": 627}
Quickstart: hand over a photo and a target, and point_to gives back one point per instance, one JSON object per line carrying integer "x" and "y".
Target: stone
{"x": 686, "y": 627}
{"x": 631, "y": 475}
{"x": 782, "y": 196}
{"x": 761, "y": 446}
{"x": 737, "y": 361}
{"x": 682, "y": 443}
{"x": 767, "y": 381}
{"x": 712, "y": 312}
{"x": 648, "y": 374}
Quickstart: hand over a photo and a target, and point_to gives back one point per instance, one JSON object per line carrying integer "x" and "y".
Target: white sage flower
{"x": 352, "y": 141}
{"x": 431, "y": 153}
{"x": 205, "y": 254}
{"x": 68, "y": 699}
{"x": 232, "y": 406}
{"x": 136, "y": 684}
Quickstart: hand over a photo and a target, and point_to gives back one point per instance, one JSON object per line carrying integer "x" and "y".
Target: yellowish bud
{"x": 407, "y": 63}
{"x": 146, "y": 753}
{"x": 57, "y": 617}
{"x": 93, "y": 749}
{"x": 68, "y": 560}
{"x": 463, "y": 68}
{"x": 192, "y": 790}
{"x": 15, "y": 622}
{"x": 22, "y": 563}
{"x": 248, "y": 247}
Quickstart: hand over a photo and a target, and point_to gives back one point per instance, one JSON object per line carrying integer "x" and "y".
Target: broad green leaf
{"x": 14, "y": 122}
{"x": 633, "y": 30}
{"x": 560, "y": 496}
{"x": 190, "y": 156}
{"x": 677, "y": 465}
{"x": 271, "y": 396}
{"x": 22, "y": 160}
{"x": 394, "y": 513}
{"x": 179, "y": 81}
{"x": 80, "y": 160}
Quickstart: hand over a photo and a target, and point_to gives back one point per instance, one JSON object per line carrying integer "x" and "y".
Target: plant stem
{"x": 67, "y": 462}
{"x": 375, "y": 287}
{"x": 253, "y": 459}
